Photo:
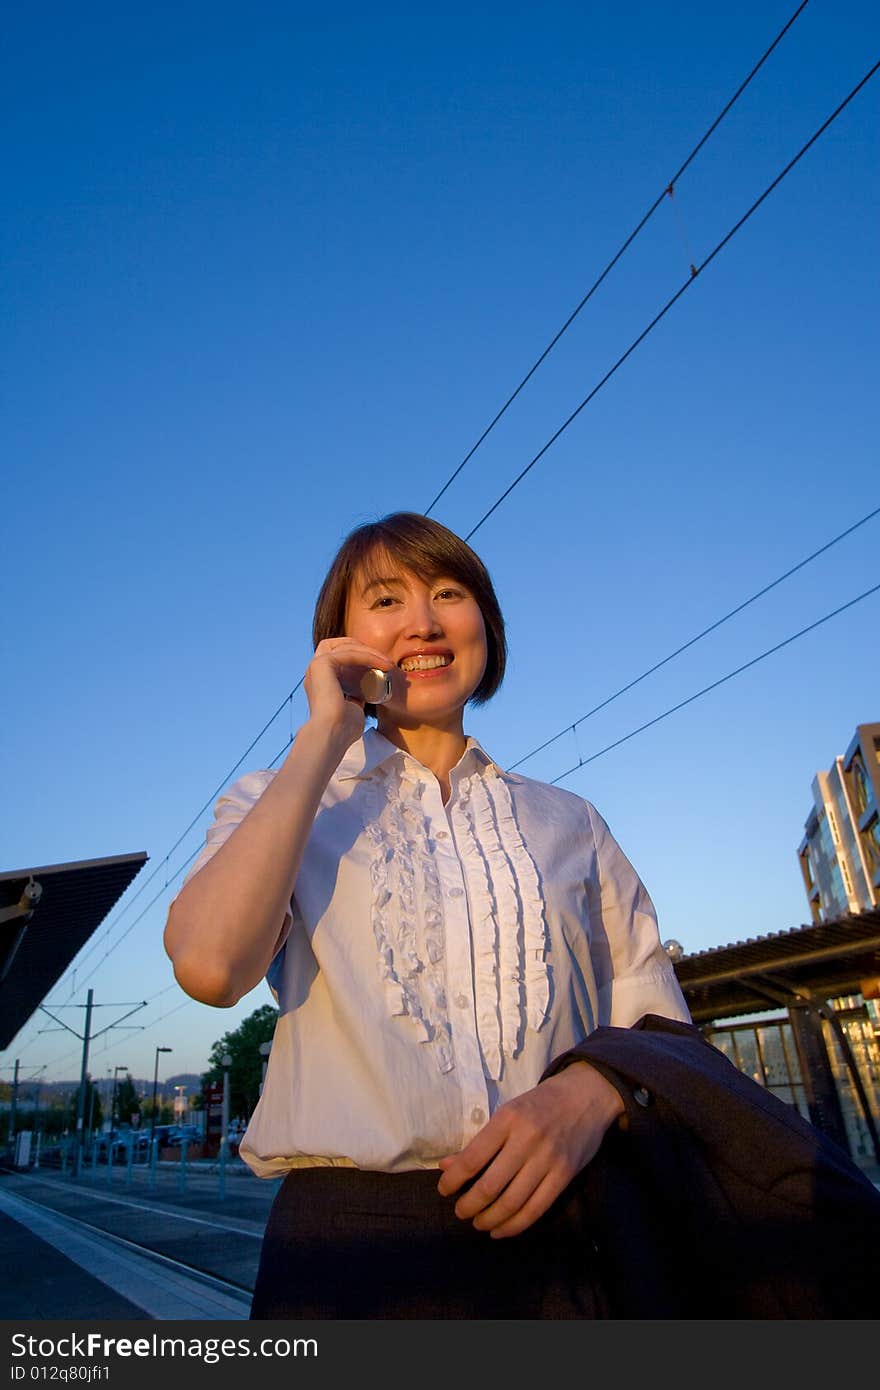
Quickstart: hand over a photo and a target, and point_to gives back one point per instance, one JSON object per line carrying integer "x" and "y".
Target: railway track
{"x": 171, "y": 1261}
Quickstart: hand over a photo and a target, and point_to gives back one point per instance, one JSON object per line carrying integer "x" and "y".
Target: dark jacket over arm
{"x": 713, "y": 1198}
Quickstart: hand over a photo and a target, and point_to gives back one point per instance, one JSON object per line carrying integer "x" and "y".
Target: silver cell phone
{"x": 375, "y": 686}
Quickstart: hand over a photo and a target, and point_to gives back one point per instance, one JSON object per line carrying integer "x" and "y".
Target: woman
{"x": 437, "y": 932}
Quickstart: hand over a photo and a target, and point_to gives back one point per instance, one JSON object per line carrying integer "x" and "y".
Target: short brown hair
{"x": 429, "y": 550}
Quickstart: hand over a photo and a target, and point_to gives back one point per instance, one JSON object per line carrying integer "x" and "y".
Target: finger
{"x": 475, "y": 1156}
{"x": 503, "y": 1187}
{"x": 536, "y": 1205}
{"x": 352, "y": 650}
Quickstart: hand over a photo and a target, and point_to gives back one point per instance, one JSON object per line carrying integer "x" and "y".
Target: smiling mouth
{"x": 424, "y": 663}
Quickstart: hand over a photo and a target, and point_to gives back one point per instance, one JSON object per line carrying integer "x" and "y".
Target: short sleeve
{"x": 634, "y": 975}
{"x": 229, "y": 811}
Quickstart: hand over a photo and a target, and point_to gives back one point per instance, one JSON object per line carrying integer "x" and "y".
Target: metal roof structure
{"x": 47, "y": 914}
{"x": 817, "y": 962}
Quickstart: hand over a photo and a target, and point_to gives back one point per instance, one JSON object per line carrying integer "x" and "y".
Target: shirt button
{"x": 461, "y": 1000}
{"x": 478, "y": 1115}
{"x": 641, "y": 1095}
{"x": 455, "y": 892}
{"x": 442, "y": 835}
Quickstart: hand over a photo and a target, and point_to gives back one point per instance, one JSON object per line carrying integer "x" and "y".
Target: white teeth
{"x": 424, "y": 663}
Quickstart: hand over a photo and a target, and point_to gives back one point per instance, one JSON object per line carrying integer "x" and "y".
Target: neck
{"x": 436, "y": 748}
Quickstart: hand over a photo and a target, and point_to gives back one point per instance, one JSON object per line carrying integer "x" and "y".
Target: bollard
{"x": 181, "y": 1171}
{"x": 221, "y": 1187}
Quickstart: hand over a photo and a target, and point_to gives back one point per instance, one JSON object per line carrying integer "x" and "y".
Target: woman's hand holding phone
{"x": 341, "y": 678}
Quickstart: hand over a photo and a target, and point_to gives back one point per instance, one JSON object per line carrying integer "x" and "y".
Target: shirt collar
{"x": 371, "y": 751}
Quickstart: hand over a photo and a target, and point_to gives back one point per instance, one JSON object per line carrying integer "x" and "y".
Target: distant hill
{"x": 43, "y": 1093}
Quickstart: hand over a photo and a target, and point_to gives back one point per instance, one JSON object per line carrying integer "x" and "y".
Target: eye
{"x": 449, "y": 593}
{"x": 383, "y": 601}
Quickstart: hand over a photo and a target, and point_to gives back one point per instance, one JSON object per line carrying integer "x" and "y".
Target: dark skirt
{"x": 344, "y": 1243}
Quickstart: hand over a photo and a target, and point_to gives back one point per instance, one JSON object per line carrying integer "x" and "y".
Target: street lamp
{"x": 155, "y": 1084}
{"x": 265, "y": 1049}
{"x": 226, "y": 1063}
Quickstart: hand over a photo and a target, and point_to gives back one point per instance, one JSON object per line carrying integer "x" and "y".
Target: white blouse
{"x": 439, "y": 957}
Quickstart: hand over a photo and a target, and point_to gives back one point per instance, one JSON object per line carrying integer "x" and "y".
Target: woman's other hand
{"x": 530, "y": 1150}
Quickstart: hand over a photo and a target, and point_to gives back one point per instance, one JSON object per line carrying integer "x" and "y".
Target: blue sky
{"x": 268, "y": 274}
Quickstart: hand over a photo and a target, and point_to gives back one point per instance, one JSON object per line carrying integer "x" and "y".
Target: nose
{"x": 422, "y": 619}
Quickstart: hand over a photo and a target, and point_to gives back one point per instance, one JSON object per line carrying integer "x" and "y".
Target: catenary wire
{"x": 623, "y": 248}
{"x": 693, "y": 640}
{"x": 582, "y": 762}
{"x": 670, "y": 184}
{"x": 695, "y": 272}
{"x": 573, "y": 416}
{"x": 717, "y": 249}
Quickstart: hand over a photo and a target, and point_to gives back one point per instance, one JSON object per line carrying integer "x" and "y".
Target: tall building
{"x": 840, "y": 852}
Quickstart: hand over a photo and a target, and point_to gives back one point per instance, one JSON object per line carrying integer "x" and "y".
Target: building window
{"x": 862, "y": 789}
{"x": 871, "y": 843}
{"x": 806, "y": 860}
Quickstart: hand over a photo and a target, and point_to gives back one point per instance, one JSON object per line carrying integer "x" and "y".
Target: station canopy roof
{"x": 821, "y": 961}
{"x": 47, "y": 914}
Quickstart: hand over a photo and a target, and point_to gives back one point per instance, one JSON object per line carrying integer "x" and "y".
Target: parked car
{"x": 191, "y": 1133}
{"x": 111, "y": 1143}
{"x": 139, "y": 1141}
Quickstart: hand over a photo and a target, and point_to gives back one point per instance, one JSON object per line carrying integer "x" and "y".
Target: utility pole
{"x": 83, "y": 1080}
{"x": 90, "y": 1127}
{"x": 11, "y": 1136}
{"x": 155, "y": 1088}
{"x": 81, "y": 1101}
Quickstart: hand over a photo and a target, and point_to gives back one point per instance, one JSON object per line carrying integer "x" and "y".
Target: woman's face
{"x": 433, "y": 632}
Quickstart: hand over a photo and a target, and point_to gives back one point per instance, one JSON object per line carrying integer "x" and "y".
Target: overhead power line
{"x": 695, "y": 272}
{"x": 582, "y": 762}
{"x": 288, "y": 698}
{"x": 667, "y": 189}
{"x": 569, "y": 728}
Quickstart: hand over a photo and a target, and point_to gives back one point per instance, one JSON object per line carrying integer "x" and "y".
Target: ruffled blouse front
{"x": 507, "y": 910}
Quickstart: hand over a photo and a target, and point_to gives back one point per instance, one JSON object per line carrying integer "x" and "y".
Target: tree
{"x": 92, "y": 1112}
{"x": 164, "y": 1111}
{"x": 246, "y": 1071}
{"x": 128, "y": 1102}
